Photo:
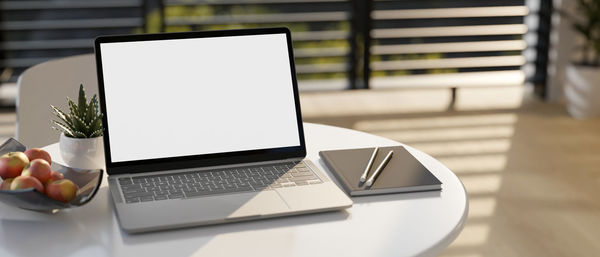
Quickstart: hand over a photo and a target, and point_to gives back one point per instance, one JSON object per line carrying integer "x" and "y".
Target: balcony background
{"x": 530, "y": 170}
{"x": 339, "y": 44}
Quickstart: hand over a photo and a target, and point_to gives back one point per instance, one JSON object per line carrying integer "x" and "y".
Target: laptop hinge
{"x": 298, "y": 159}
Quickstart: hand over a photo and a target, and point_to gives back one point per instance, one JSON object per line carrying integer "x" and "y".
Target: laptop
{"x": 204, "y": 128}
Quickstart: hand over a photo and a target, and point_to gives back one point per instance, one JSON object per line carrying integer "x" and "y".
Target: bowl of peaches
{"x": 30, "y": 180}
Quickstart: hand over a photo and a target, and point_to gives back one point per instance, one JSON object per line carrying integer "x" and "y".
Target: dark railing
{"x": 36, "y": 31}
{"x": 339, "y": 44}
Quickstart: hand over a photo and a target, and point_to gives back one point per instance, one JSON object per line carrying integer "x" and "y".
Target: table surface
{"x": 413, "y": 224}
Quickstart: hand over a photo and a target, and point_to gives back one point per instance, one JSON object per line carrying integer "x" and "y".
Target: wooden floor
{"x": 532, "y": 173}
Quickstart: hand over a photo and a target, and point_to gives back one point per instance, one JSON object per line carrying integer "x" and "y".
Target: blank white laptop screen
{"x": 183, "y": 97}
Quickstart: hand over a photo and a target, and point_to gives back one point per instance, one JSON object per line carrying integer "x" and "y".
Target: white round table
{"x": 413, "y": 224}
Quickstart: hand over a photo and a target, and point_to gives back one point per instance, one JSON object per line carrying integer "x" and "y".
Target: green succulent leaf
{"x": 96, "y": 133}
{"x": 81, "y": 102}
{"x": 96, "y": 124}
{"x": 63, "y": 128}
{"x": 84, "y": 119}
{"x": 78, "y": 134}
{"x": 61, "y": 115}
{"x": 91, "y": 112}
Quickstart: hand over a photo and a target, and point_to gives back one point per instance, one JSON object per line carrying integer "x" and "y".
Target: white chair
{"x": 46, "y": 84}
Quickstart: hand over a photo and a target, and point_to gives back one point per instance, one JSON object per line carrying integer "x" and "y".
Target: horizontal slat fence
{"x": 476, "y": 43}
{"x": 321, "y": 31}
{"x": 338, "y": 44}
{"x": 32, "y": 32}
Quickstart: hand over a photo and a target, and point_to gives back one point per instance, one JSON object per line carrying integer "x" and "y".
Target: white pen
{"x": 379, "y": 169}
{"x": 364, "y": 175}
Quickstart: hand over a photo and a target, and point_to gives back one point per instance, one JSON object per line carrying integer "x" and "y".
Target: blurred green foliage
{"x": 200, "y": 13}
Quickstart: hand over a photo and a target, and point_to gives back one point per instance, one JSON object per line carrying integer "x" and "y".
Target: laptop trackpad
{"x": 201, "y": 210}
{"x": 252, "y": 204}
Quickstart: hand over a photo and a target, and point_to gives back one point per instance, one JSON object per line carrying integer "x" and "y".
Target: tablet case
{"x": 403, "y": 173}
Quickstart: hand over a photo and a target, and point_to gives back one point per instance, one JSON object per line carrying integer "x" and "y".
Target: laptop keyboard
{"x": 213, "y": 182}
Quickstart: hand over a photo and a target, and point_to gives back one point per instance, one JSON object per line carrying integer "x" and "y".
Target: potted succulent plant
{"x": 582, "y": 89}
{"x": 80, "y": 143}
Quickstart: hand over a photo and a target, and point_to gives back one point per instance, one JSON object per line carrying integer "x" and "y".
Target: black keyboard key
{"x": 161, "y": 197}
{"x": 176, "y": 196}
{"x": 131, "y": 187}
{"x": 216, "y": 192}
{"x": 146, "y": 199}
{"x": 217, "y": 187}
{"x": 189, "y": 190}
{"x": 132, "y": 200}
{"x": 139, "y": 194}
{"x": 138, "y": 180}
{"x": 261, "y": 187}
{"x": 172, "y": 192}
{"x": 243, "y": 189}
{"x": 133, "y": 191}
{"x": 125, "y": 181}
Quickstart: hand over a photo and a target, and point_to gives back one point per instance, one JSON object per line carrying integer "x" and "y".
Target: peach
{"x": 6, "y": 184}
{"x": 22, "y": 182}
{"x": 63, "y": 190}
{"x": 12, "y": 164}
{"x": 37, "y": 153}
{"x": 55, "y": 175}
{"x": 38, "y": 168}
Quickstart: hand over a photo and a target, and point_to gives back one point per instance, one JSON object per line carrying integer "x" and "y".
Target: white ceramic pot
{"x": 84, "y": 153}
{"x": 582, "y": 91}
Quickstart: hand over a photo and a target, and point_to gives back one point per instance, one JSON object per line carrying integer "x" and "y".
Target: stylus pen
{"x": 379, "y": 169}
{"x": 364, "y": 175}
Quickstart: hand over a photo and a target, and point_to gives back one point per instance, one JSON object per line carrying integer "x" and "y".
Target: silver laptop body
{"x": 204, "y": 128}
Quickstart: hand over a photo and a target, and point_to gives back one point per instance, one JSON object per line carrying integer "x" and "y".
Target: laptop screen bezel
{"x": 202, "y": 160}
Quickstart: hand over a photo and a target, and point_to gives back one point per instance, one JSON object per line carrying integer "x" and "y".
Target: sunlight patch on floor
{"x": 437, "y": 121}
{"x": 465, "y": 147}
{"x": 482, "y": 184}
{"x": 482, "y": 207}
{"x": 439, "y": 134}
{"x": 473, "y": 235}
{"x": 373, "y": 102}
{"x": 475, "y": 164}
{"x": 490, "y": 98}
